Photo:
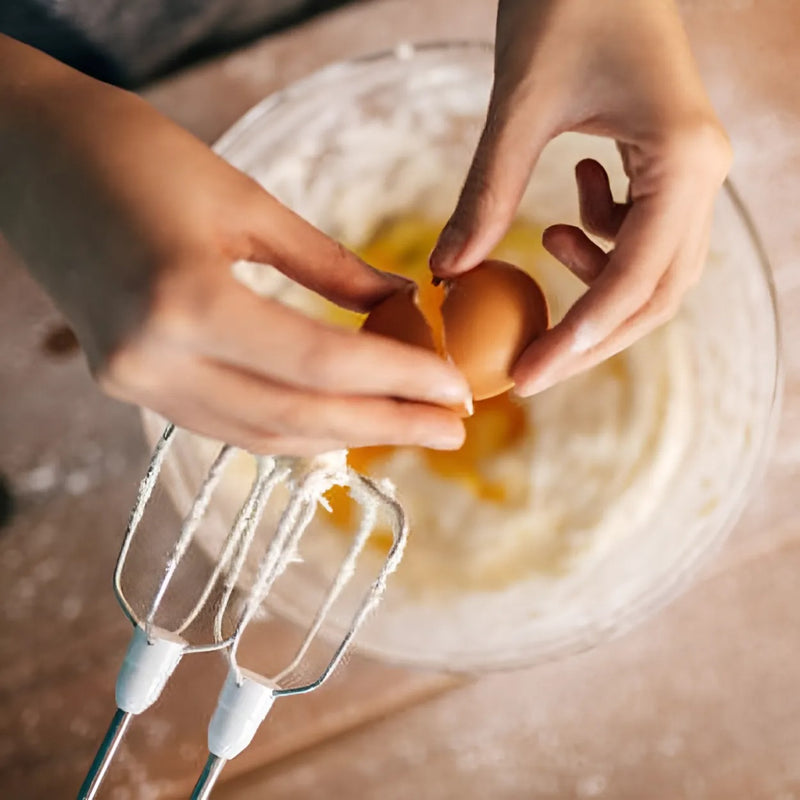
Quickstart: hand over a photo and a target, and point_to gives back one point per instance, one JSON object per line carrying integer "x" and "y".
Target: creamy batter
{"x": 589, "y": 459}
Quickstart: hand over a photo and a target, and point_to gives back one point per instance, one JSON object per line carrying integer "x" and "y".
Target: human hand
{"x": 132, "y": 225}
{"x": 621, "y": 69}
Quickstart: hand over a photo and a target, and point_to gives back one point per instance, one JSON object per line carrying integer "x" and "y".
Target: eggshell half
{"x": 491, "y": 314}
{"x": 399, "y": 318}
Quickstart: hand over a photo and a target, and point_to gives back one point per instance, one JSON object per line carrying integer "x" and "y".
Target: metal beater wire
{"x": 142, "y": 498}
{"x": 265, "y": 484}
{"x": 337, "y": 586}
{"x": 393, "y": 559}
{"x": 188, "y": 529}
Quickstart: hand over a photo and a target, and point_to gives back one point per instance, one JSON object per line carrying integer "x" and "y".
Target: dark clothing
{"x": 130, "y": 41}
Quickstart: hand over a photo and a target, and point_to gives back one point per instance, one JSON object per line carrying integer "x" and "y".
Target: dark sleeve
{"x": 32, "y": 22}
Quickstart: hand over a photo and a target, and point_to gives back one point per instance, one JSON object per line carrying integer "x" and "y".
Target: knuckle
{"x": 323, "y": 365}
{"x": 713, "y": 139}
{"x": 180, "y": 300}
{"x": 266, "y": 444}
{"x": 290, "y": 415}
{"x": 713, "y": 146}
{"x": 284, "y": 418}
{"x": 705, "y": 144}
{"x": 120, "y": 368}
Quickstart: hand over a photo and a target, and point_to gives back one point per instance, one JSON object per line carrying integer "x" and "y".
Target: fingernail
{"x": 445, "y": 441}
{"x": 448, "y": 248}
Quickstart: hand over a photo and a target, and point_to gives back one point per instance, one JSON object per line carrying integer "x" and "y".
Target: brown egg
{"x": 488, "y": 317}
{"x": 400, "y": 318}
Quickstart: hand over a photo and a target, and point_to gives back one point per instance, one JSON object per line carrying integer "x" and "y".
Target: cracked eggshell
{"x": 490, "y": 315}
{"x": 399, "y": 318}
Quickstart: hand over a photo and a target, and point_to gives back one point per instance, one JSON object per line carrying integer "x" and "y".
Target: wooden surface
{"x": 700, "y": 703}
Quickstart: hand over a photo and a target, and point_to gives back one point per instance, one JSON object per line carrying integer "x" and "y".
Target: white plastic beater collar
{"x": 244, "y": 702}
{"x": 149, "y": 662}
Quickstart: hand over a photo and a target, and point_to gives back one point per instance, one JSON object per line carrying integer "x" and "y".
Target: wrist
{"x": 29, "y": 79}
{"x": 40, "y": 98}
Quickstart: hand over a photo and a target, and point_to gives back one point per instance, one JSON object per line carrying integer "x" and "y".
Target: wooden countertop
{"x": 699, "y": 703}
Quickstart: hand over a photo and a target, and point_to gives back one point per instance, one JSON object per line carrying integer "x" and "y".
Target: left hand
{"x": 621, "y": 69}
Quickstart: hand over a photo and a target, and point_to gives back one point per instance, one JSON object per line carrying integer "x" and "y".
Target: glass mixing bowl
{"x": 694, "y": 406}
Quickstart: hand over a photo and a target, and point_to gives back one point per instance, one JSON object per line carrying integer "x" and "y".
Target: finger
{"x": 194, "y": 414}
{"x": 277, "y": 342}
{"x": 600, "y": 215}
{"x": 293, "y": 446}
{"x": 506, "y": 153}
{"x": 666, "y": 300}
{"x": 279, "y": 410}
{"x": 645, "y": 248}
{"x": 576, "y": 251}
{"x": 305, "y": 254}
{"x": 660, "y": 308}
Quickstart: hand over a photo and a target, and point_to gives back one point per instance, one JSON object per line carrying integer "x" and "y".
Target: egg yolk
{"x": 499, "y": 423}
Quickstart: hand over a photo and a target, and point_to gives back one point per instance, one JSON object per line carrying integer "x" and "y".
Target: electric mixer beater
{"x": 246, "y": 697}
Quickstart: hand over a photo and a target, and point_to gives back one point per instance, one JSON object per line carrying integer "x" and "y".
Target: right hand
{"x": 132, "y": 226}
{"x": 622, "y": 69}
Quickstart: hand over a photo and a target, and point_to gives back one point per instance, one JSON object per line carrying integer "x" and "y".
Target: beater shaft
{"x": 246, "y": 697}
{"x": 105, "y": 753}
{"x": 205, "y": 783}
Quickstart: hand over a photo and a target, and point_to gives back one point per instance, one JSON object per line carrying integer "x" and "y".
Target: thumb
{"x": 291, "y": 244}
{"x": 507, "y": 151}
